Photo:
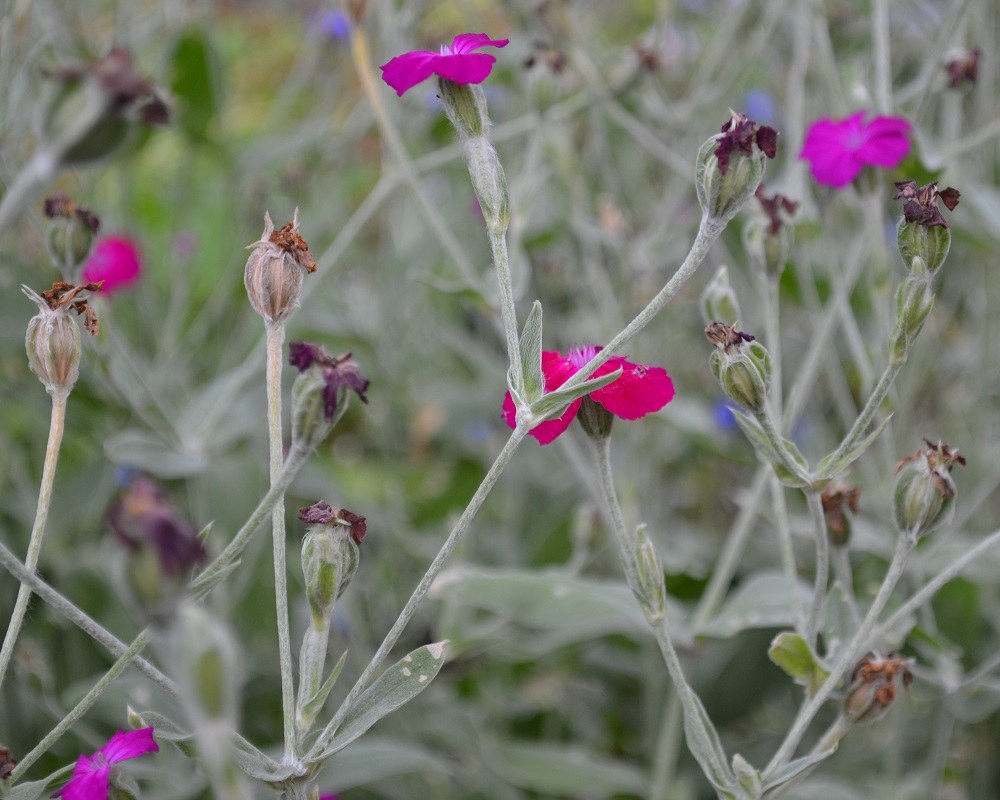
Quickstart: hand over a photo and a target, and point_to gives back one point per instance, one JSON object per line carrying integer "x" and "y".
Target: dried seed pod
{"x": 274, "y": 270}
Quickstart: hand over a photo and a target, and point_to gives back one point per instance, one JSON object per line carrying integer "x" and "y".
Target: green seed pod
{"x": 652, "y": 589}
{"x": 924, "y": 498}
{"x": 719, "y": 301}
{"x": 741, "y": 364}
{"x": 919, "y": 241}
{"x": 309, "y": 423}
{"x": 730, "y": 166}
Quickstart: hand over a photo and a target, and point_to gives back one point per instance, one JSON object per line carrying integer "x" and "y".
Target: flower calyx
{"x": 741, "y": 365}
{"x": 730, "y": 166}
{"x": 925, "y": 490}
{"x": 873, "y": 687}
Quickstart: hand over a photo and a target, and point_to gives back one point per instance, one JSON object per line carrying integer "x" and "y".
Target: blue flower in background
{"x": 722, "y": 411}
{"x": 332, "y": 24}
{"x": 759, "y": 105}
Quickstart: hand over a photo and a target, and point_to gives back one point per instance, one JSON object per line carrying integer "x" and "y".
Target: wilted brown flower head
{"x": 274, "y": 270}
{"x": 143, "y": 516}
{"x": 873, "y": 686}
{"x": 964, "y": 69}
{"x": 836, "y": 500}
{"x": 322, "y": 513}
{"x": 938, "y": 459}
{"x": 66, "y": 296}
{"x": 126, "y": 90}
{"x": 740, "y": 134}
{"x": 773, "y": 206}
{"x": 60, "y": 205}
{"x": 921, "y": 202}
{"x": 337, "y": 371}
{"x": 726, "y": 336}
{"x": 7, "y": 763}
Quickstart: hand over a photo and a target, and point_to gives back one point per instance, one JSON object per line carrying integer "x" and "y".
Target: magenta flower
{"x": 456, "y": 63}
{"x": 114, "y": 260}
{"x": 639, "y": 390}
{"x": 839, "y": 150}
{"x": 91, "y": 774}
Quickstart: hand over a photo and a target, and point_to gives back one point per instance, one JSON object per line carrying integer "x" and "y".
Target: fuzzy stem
{"x": 57, "y": 425}
{"x": 498, "y": 245}
{"x": 850, "y": 654}
{"x": 84, "y": 705}
{"x": 668, "y": 745}
{"x": 696, "y": 724}
{"x": 858, "y": 430}
{"x": 787, "y": 551}
{"x": 366, "y": 76}
{"x": 215, "y": 571}
{"x": 815, "y": 505}
{"x": 275, "y": 340}
{"x": 708, "y": 232}
{"x": 841, "y": 560}
{"x": 456, "y": 535}
{"x": 40, "y": 169}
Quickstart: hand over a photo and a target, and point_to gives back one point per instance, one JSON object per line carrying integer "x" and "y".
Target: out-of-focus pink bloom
{"x": 839, "y": 149}
{"x": 91, "y": 773}
{"x": 456, "y": 63}
{"x": 329, "y": 797}
{"x": 639, "y": 390}
{"x": 114, "y": 260}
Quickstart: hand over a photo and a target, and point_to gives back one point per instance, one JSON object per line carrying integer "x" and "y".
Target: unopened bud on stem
{"x": 652, "y": 588}
{"x": 719, "y": 301}
{"x": 730, "y": 166}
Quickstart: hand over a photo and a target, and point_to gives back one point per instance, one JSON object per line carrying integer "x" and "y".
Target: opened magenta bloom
{"x": 839, "y": 149}
{"x": 91, "y": 774}
{"x": 638, "y": 391}
{"x": 114, "y": 260}
{"x": 458, "y": 63}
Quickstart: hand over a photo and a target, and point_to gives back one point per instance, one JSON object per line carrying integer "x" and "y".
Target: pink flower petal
{"x": 114, "y": 260}
{"x": 404, "y": 72}
{"x": 465, "y": 67}
{"x": 886, "y": 143}
{"x": 467, "y": 42}
{"x": 456, "y": 63}
{"x": 639, "y": 391}
{"x": 86, "y": 783}
{"x": 839, "y": 150}
{"x": 133, "y": 744}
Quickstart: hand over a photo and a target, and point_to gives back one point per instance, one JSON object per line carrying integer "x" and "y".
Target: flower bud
{"x": 330, "y": 556}
{"x": 595, "y": 419}
{"x": 70, "y": 233}
{"x": 924, "y": 232}
{"x": 274, "y": 270}
{"x": 767, "y": 236}
{"x": 652, "y": 588}
{"x": 914, "y": 301}
{"x": 719, "y": 301}
{"x": 490, "y": 183}
{"x": 91, "y": 106}
{"x": 925, "y": 491}
{"x": 836, "y": 500}
{"x": 747, "y": 776}
{"x": 161, "y": 548}
{"x": 873, "y": 688}
{"x": 465, "y": 105}
{"x": 319, "y": 395}
{"x": 52, "y": 340}
{"x": 730, "y": 166}
{"x": 741, "y": 365}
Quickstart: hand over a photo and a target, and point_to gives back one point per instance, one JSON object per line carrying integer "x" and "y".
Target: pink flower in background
{"x": 456, "y": 63}
{"x": 114, "y": 260}
{"x": 639, "y": 390}
{"x": 839, "y": 150}
{"x": 91, "y": 774}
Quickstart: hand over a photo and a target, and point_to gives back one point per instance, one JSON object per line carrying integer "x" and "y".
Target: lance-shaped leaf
{"x": 531, "y": 355}
{"x": 793, "y": 772}
{"x": 784, "y": 460}
{"x": 792, "y": 653}
{"x": 395, "y": 687}
{"x": 554, "y": 403}
{"x": 837, "y": 462}
{"x": 312, "y": 706}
